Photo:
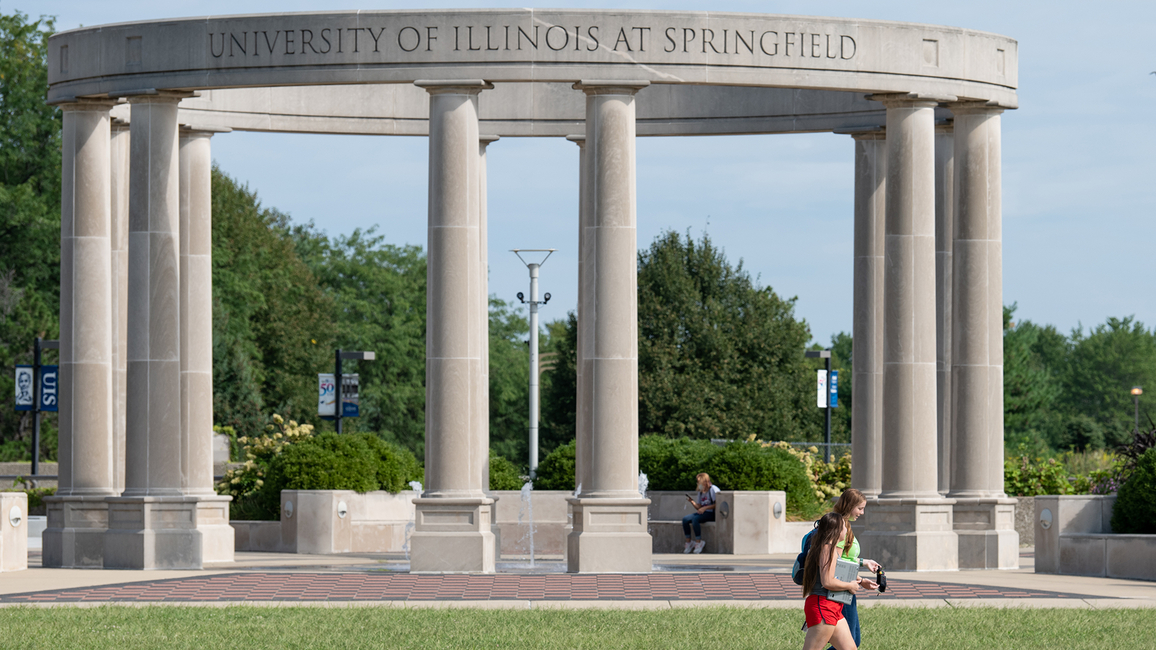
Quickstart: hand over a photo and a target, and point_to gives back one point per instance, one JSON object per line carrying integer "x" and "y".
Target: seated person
{"x": 704, "y": 503}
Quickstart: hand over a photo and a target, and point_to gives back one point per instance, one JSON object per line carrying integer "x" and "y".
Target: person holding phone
{"x": 704, "y": 503}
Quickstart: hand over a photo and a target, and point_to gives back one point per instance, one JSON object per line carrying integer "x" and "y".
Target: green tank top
{"x": 853, "y": 554}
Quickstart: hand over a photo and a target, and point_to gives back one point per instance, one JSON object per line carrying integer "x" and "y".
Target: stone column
{"x": 119, "y": 243}
{"x": 609, "y": 533}
{"x": 584, "y": 379}
{"x": 153, "y": 524}
{"x": 482, "y": 401}
{"x": 77, "y": 515}
{"x": 453, "y": 516}
{"x": 867, "y": 324}
{"x": 944, "y": 183}
{"x": 909, "y": 526}
{"x": 196, "y": 336}
{"x": 984, "y": 517}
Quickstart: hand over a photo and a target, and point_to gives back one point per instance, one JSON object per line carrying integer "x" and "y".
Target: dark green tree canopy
{"x": 718, "y": 355}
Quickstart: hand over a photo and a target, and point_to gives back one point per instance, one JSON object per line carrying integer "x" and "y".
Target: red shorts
{"x": 820, "y": 609}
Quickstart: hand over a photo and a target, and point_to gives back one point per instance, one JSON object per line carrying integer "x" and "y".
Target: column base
{"x": 74, "y": 537}
{"x": 609, "y": 536}
{"x": 180, "y": 532}
{"x": 987, "y": 536}
{"x": 909, "y": 534}
{"x": 452, "y": 536}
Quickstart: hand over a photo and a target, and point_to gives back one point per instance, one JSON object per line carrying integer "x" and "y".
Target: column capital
{"x": 610, "y": 87}
{"x": 78, "y": 104}
{"x": 910, "y": 100}
{"x": 865, "y": 133}
{"x": 486, "y": 140}
{"x": 945, "y": 127}
{"x": 119, "y": 124}
{"x": 975, "y": 108}
{"x": 579, "y": 140}
{"x": 153, "y": 96}
{"x": 202, "y": 131}
{"x": 453, "y": 86}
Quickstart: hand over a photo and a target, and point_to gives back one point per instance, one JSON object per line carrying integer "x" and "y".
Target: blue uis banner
{"x": 49, "y": 388}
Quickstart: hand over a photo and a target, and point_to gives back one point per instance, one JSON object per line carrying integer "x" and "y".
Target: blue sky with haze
{"x": 1079, "y": 156}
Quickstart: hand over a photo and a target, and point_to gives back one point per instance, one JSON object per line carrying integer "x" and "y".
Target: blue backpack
{"x": 801, "y": 560}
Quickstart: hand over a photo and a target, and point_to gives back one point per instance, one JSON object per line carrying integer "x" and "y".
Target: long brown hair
{"x": 826, "y": 535}
{"x": 848, "y": 501}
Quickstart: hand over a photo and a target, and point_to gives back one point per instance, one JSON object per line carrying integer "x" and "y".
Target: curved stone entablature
{"x": 527, "y": 45}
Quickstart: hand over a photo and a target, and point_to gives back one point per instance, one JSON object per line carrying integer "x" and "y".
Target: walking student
{"x": 825, "y": 621}
{"x": 850, "y": 506}
{"x": 704, "y": 503}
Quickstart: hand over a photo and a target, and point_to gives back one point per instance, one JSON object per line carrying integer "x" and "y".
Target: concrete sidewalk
{"x": 347, "y": 580}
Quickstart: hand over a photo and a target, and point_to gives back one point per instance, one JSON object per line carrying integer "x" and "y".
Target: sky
{"x": 1079, "y": 156}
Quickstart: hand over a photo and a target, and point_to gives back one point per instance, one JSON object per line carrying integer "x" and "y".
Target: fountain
{"x": 527, "y": 511}
{"x": 417, "y": 488}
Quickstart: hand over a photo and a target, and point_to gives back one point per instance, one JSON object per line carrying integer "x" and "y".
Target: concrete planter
{"x": 332, "y": 521}
{"x": 312, "y": 521}
{"x": 13, "y": 531}
{"x": 1073, "y": 536}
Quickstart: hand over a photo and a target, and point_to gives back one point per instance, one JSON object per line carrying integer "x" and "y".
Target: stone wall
{"x": 1073, "y": 536}
{"x": 1025, "y": 520}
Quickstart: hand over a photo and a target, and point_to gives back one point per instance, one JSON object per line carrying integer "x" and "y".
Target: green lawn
{"x": 246, "y": 627}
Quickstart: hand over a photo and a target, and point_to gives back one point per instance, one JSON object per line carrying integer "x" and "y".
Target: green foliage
{"x": 395, "y": 465}
{"x": 246, "y": 483}
{"x": 673, "y": 464}
{"x": 29, "y": 221}
{"x": 559, "y": 387}
{"x": 379, "y": 294}
{"x": 328, "y": 461}
{"x": 718, "y": 355}
{"x": 272, "y": 324}
{"x": 504, "y": 475}
{"x": 557, "y": 470}
{"x": 1135, "y": 509}
{"x": 510, "y": 381}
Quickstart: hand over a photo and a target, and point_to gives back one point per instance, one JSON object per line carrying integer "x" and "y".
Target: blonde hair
{"x": 847, "y": 502}
{"x": 699, "y": 479}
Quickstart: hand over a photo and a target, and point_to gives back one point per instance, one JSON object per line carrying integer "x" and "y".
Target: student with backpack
{"x": 850, "y": 505}
{"x": 824, "y": 614}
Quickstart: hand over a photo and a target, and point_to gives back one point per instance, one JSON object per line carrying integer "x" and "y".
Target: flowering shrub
{"x": 827, "y": 479}
{"x": 243, "y": 483}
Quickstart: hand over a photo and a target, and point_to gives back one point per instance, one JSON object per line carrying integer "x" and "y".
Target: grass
{"x": 125, "y": 628}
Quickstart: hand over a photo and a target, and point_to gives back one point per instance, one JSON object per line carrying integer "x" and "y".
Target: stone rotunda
{"x": 141, "y": 102}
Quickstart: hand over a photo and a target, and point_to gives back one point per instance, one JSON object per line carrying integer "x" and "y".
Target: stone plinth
{"x": 13, "y": 531}
{"x": 74, "y": 537}
{"x": 452, "y": 536}
{"x": 987, "y": 535}
{"x": 167, "y": 532}
{"x": 609, "y": 536}
{"x": 909, "y": 534}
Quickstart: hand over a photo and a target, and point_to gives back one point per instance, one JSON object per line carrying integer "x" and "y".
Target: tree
{"x": 1103, "y": 366}
{"x": 379, "y": 296}
{"x": 272, "y": 324}
{"x": 509, "y": 382}
{"x": 29, "y": 218}
{"x": 718, "y": 355}
{"x": 1033, "y": 357}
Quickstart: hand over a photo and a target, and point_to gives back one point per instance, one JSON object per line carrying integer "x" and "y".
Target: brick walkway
{"x": 361, "y": 586}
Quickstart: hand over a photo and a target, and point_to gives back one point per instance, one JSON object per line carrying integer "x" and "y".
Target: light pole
{"x": 1136, "y": 393}
{"x": 826, "y": 356}
{"x": 534, "y": 302}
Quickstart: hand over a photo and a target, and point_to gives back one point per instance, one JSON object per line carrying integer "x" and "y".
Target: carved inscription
{"x": 769, "y": 45}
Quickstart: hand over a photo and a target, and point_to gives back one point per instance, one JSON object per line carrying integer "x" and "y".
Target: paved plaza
{"x": 678, "y": 581}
